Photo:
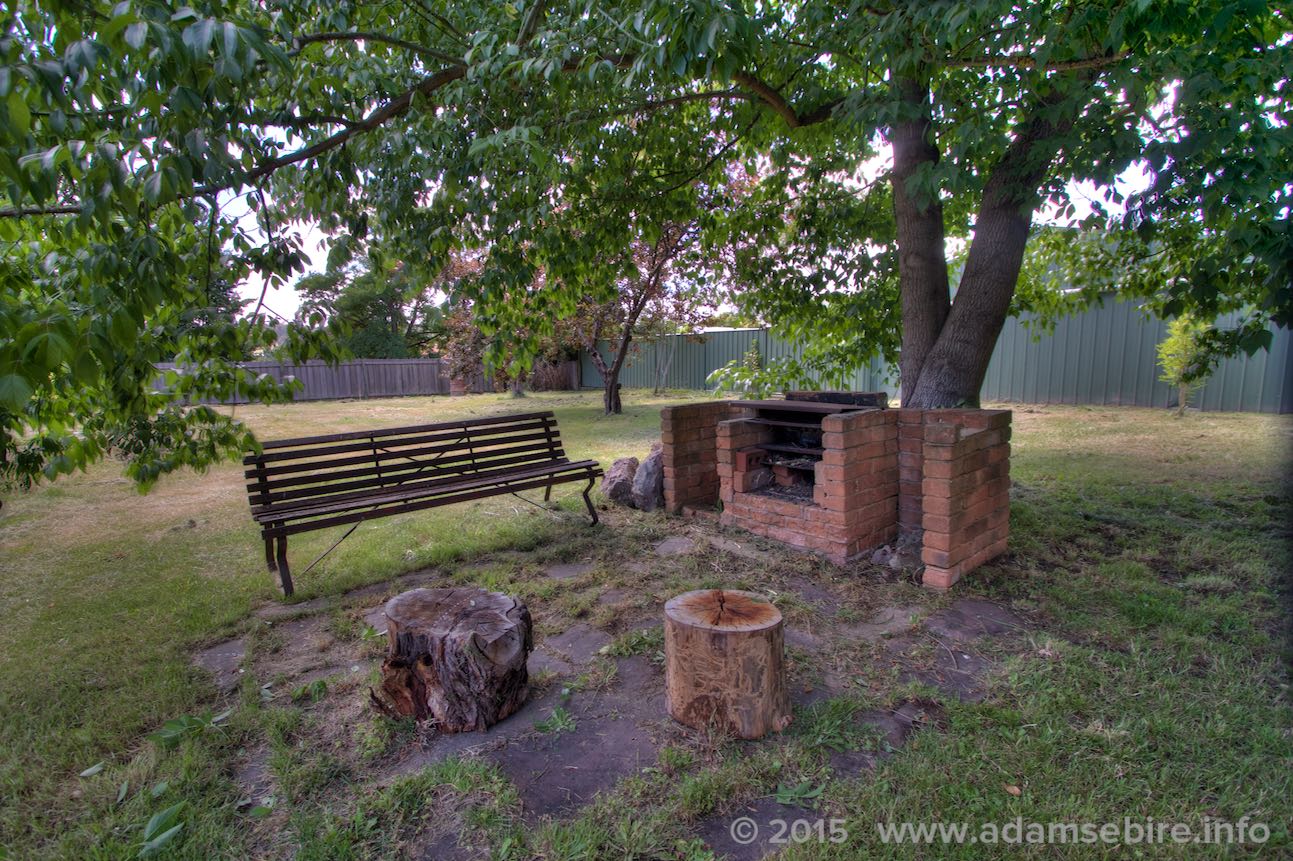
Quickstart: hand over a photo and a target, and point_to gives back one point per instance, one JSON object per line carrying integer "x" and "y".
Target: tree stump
{"x": 457, "y": 656}
{"x": 725, "y": 662}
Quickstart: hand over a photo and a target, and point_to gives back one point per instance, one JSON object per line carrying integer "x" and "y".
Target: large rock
{"x": 617, "y": 484}
{"x": 648, "y": 483}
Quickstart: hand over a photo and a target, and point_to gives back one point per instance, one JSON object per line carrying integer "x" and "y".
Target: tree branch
{"x": 1031, "y": 63}
{"x": 780, "y": 106}
{"x": 369, "y": 36}
{"x": 394, "y": 108}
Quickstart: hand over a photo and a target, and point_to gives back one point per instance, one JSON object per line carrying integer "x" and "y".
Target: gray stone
{"x": 224, "y": 662}
{"x": 568, "y": 570}
{"x": 676, "y": 546}
{"x": 617, "y": 484}
{"x": 648, "y": 482}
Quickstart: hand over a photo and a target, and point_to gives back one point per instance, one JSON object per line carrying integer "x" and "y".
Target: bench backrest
{"x": 310, "y": 469}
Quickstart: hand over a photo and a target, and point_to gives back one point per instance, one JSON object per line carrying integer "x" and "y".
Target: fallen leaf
{"x": 1012, "y": 789}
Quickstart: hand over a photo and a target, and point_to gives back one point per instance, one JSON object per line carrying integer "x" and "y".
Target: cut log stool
{"x": 457, "y": 656}
{"x": 725, "y": 662}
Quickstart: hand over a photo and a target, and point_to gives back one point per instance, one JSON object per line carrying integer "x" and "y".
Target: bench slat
{"x": 465, "y": 445}
{"x": 377, "y": 485}
{"x": 510, "y": 482}
{"x": 399, "y": 431}
{"x": 462, "y": 432}
{"x": 295, "y": 486}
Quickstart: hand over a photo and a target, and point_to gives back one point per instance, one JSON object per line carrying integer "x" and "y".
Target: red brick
{"x": 939, "y": 578}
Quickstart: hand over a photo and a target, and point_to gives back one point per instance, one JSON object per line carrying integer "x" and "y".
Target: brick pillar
{"x": 856, "y": 483}
{"x": 689, "y": 436}
{"x": 737, "y": 470}
{"x": 965, "y": 495}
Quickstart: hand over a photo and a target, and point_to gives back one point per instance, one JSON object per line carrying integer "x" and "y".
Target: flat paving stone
{"x": 821, "y": 599}
{"x": 555, "y": 773}
{"x": 579, "y": 642}
{"x": 737, "y": 548}
{"x": 276, "y": 612}
{"x": 612, "y": 597}
{"x": 889, "y": 621}
{"x": 568, "y": 570}
{"x": 224, "y": 662}
{"x": 970, "y": 619}
{"x": 806, "y": 640}
{"x": 717, "y": 831}
{"x": 676, "y": 546}
{"x": 542, "y": 660}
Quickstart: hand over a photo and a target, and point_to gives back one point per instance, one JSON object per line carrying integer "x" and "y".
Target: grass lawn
{"x": 1149, "y": 557}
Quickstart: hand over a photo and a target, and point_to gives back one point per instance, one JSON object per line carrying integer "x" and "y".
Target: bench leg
{"x": 547, "y": 493}
{"x": 269, "y": 556}
{"x": 592, "y": 512}
{"x": 284, "y": 573}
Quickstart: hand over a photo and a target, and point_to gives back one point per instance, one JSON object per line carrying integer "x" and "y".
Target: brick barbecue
{"x": 839, "y": 474}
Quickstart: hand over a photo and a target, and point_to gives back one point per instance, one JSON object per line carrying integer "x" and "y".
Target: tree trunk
{"x": 952, "y": 369}
{"x": 922, "y": 255}
{"x": 456, "y": 656}
{"x": 725, "y": 662}
{"x": 1182, "y": 398}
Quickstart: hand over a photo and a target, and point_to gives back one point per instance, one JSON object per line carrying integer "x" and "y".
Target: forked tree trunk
{"x": 456, "y": 656}
{"x": 725, "y": 662}
{"x": 946, "y": 349}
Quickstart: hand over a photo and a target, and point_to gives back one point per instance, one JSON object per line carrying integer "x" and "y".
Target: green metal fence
{"x": 1104, "y": 355}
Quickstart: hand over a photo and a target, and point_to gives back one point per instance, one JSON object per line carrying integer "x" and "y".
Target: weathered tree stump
{"x": 457, "y": 656}
{"x": 725, "y": 662}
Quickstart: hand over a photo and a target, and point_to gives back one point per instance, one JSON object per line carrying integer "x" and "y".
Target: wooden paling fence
{"x": 361, "y": 378}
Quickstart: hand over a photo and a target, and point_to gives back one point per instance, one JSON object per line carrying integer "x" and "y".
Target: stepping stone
{"x": 676, "y": 546}
{"x": 806, "y": 640}
{"x": 736, "y": 548}
{"x": 276, "y": 612}
{"x": 818, "y": 597}
{"x": 579, "y": 642}
{"x": 614, "y": 596}
{"x": 555, "y": 773}
{"x": 890, "y": 620}
{"x": 970, "y": 619}
{"x": 541, "y": 659}
{"x": 568, "y": 570}
{"x": 223, "y": 661}
{"x": 716, "y": 831}
{"x": 376, "y": 618}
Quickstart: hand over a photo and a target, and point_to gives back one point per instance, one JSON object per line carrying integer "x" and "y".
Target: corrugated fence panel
{"x": 1105, "y": 355}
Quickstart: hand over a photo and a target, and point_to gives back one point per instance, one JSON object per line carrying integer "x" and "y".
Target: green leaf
{"x": 19, "y": 114}
{"x": 98, "y": 766}
{"x": 136, "y": 35}
{"x": 163, "y": 822}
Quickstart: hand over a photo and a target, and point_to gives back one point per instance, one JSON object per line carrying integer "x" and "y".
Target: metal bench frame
{"x": 310, "y": 483}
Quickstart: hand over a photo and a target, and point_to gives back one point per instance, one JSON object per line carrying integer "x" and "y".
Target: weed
{"x": 558, "y": 721}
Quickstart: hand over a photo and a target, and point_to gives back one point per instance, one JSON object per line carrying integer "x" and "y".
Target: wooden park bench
{"x": 300, "y": 485}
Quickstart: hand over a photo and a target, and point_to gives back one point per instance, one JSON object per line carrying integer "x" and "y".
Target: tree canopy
{"x": 902, "y": 152}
